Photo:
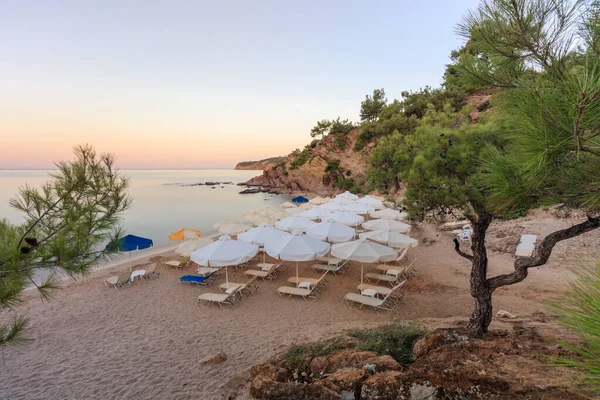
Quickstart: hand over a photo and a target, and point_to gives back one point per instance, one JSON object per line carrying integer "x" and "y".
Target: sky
{"x": 204, "y": 84}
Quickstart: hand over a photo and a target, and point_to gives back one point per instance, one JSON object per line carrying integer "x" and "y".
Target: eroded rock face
{"x": 435, "y": 339}
{"x": 264, "y": 388}
{"x": 352, "y": 359}
{"x": 385, "y": 385}
{"x": 348, "y": 378}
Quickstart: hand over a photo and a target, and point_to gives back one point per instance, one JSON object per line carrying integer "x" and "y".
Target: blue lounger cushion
{"x": 193, "y": 279}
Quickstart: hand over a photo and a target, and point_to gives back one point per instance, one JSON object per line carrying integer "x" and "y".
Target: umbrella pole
{"x": 226, "y": 277}
{"x": 297, "y": 283}
{"x": 362, "y": 266}
{"x": 130, "y": 261}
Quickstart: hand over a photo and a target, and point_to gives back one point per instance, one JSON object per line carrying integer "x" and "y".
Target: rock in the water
{"x": 433, "y": 340}
{"x": 505, "y": 314}
{"x": 216, "y": 358}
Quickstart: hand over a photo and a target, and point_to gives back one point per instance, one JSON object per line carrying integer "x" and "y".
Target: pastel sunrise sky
{"x": 204, "y": 84}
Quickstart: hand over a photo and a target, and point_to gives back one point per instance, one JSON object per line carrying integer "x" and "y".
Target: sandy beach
{"x": 146, "y": 341}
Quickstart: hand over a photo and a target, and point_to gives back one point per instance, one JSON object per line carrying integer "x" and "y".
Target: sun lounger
{"x": 206, "y": 271}
{"x": 219, "y": 298}
{"x": 118, "y": 280}
{"x": 198, "y": 280}
{"x": 383, "y": 291}
{"x": 312, "y": 281}
{"x": 262, "y": 274}
{"x": 385, "y": 304}
{"x": 333, "y": 268}
{"x": 397, "y": 270}
{"x": 178, "y": 264}
{"x": 151, "y": 271}
{"x": 248, "y": 286}
{"x": 526, "y": 246}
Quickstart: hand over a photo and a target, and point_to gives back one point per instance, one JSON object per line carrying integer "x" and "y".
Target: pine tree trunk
{"x": 480, "y": 290}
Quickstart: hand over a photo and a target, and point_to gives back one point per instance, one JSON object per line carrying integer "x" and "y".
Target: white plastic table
{"x": 136, "y": 273}
{"x": 304, "y": 285}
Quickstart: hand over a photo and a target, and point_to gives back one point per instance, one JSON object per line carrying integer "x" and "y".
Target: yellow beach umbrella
{"x": 185, "y": 233}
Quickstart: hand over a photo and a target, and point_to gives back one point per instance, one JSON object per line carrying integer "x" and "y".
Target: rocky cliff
{"x": 322, "y": 168}
{"x": 261, "y": 164}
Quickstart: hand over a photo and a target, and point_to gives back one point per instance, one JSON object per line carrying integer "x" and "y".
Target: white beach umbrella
{"x": 224, "y": 252}
{"x": 347, "y": 195}
{"x": 344, "y": 217}
{"x": 318, "y": 201}
{"x": 332, "y": 206}
{"x": 314, "y": 213}
{"x": 233, "y": 228}
{"x": 281, "y": 214}
{"x": 386, "y": 225}
{"x": 189, "y": 246}
{"x": 262, "y": 235}
{"x": 363, "y": 251}
{"x": 371, "y": 201}
{"x": 287, "y": 204}
{"x": 304, "y": 207}
{"x": 297, "y": 247}
{"x": 358, "y": 208}
{"x": 333, "y": 232}
{"x": 252, "y": 217}
{"x": 390, "y": 238}
{"x": 265, "y": 221}
{"x": 343, "y": 200}
{"x": 294, "y": 224}
{"x": 267, "y": 211}
{"x": 216, "y": 225}
{"x": 388, "y": 213}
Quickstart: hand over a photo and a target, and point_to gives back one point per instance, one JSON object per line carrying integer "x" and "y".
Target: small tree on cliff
{"x": 543, "y": 56}
{"x": 321, "y": 129}
{"x": 372, "y": 106}
{"x": 68, "y": 222}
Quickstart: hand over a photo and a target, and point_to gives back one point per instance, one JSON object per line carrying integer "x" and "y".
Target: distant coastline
{"x": 260, "y": 164}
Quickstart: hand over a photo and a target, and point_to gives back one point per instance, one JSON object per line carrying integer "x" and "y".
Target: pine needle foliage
{"x": 579, "y": 310}
{"x": 68, "y": 222}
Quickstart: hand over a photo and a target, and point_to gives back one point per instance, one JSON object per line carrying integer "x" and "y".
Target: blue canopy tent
{"x": 130, "y": 243}
{"x": 300, "y": 199}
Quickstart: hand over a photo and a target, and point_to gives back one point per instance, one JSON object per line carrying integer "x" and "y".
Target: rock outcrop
{"x": 259, "y": 165}
{"x": 292, "y": 176}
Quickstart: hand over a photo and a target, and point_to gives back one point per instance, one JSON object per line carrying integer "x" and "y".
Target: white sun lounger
{"x": 526, "y": 246}
{"x": 118, "y": 280}
{"x": 262, "y": 274}
{"x": 312, "y": 281}
{"x": 385, "y": 304}
{"x": 384, "y": 291}
{"x": 220, "y": 298}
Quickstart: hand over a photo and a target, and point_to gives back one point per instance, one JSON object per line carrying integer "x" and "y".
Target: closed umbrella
{"x": 262, "y": 235}
{"x": 224, "y": 252}
{"x": 233, "y": 228}
{"x": 333, "y": 232}
{"x": 390, "y": 238}
{"x": 294, "y": 224}
{"x": 297, "y": 247}
{"x": 363, "y": 251}
{"x": 358, "y": 208}
{"x": 386, "y": 225}
{"x": 388, "y": 213}
{"x": 185, "y": 234}
{"x": 188, "y": 246}
{"x": 371, "y": 201}
{"x": 344, "y": 217}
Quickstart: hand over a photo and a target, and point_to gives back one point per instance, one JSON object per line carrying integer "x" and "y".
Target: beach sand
{"x": 146, "y": 341}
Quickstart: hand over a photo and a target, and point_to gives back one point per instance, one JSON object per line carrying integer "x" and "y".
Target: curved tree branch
{"x": 543, "y": 252}
{"x": 460, "y": 252}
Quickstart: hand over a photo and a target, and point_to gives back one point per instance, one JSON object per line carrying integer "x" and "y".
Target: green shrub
{"x": 395, "y": 340}
{"x": 332, "y": 166}
{"x": 301, "y": 159}
{"x": 579, "y": 310}
{"x": 347, "y": 184}
{"x": 299, "y": 356}
{"x": 313, "y": 144}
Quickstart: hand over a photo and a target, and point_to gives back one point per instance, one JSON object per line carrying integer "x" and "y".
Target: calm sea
{"x": 162, "y": 202}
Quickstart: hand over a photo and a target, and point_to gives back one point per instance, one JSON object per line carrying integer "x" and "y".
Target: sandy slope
{"x": 145, "y": 341}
